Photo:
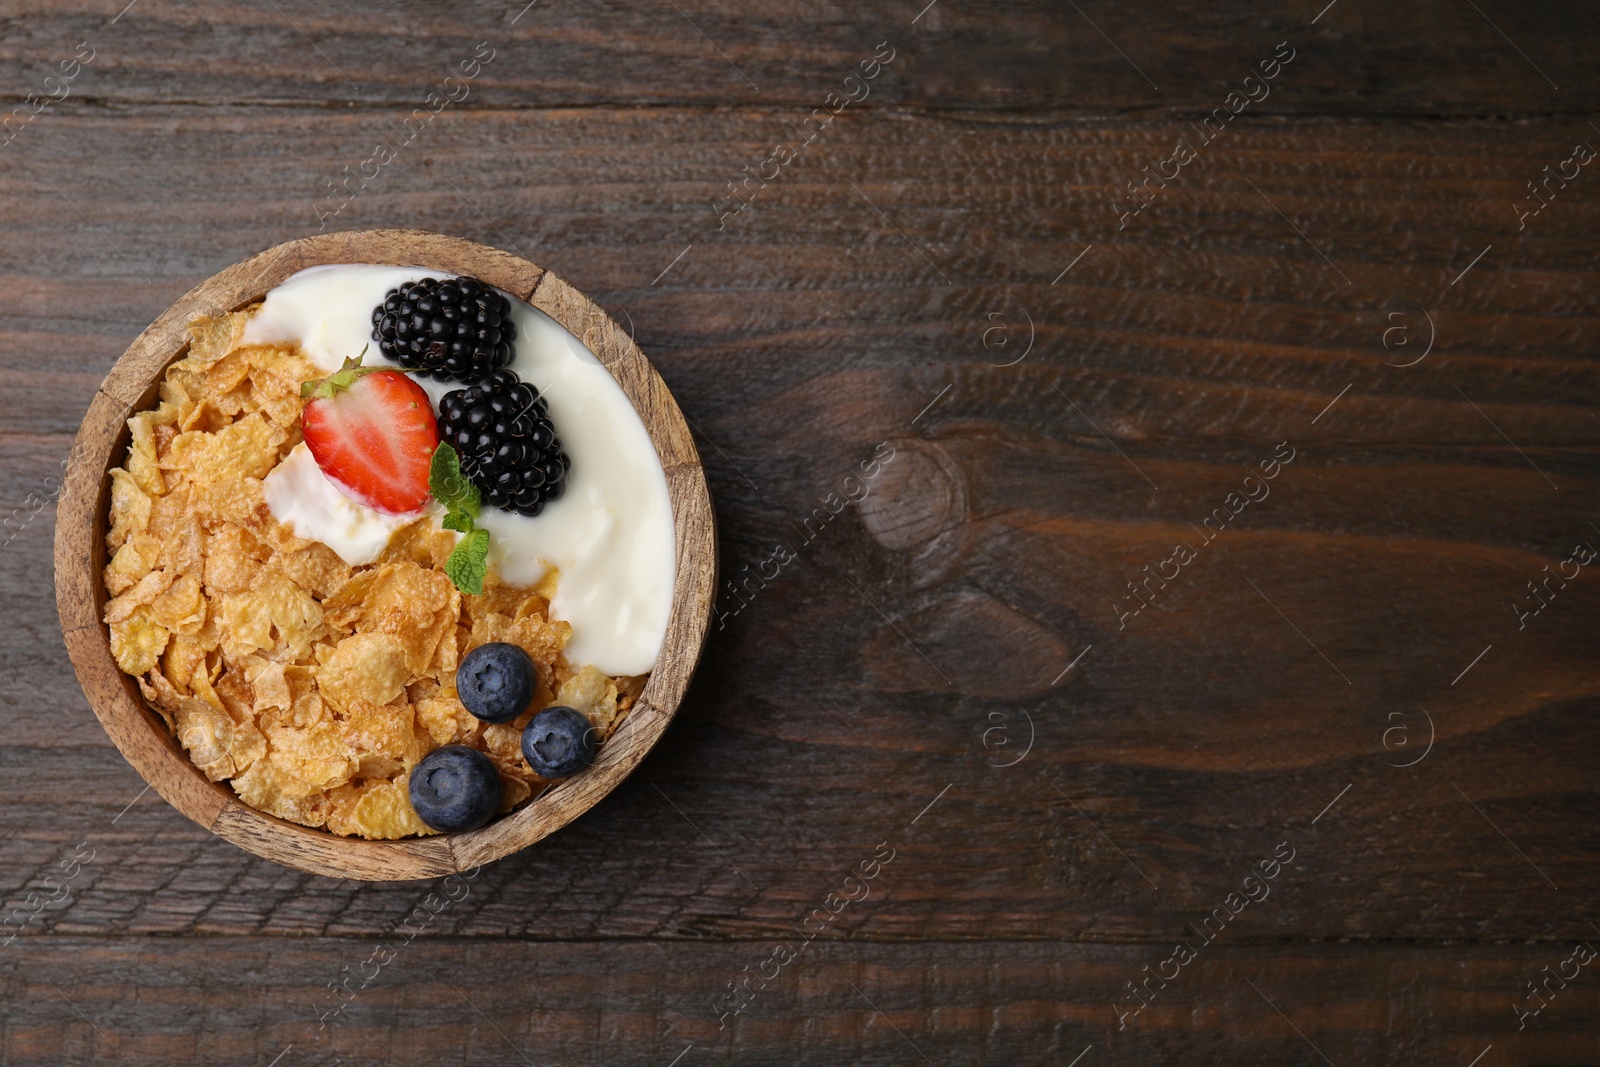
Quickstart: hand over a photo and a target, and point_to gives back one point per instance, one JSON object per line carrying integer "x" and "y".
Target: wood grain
{"x": 1177, "y": 56}
{"x": 146, "y": 741}
{"x": 1201, "y": 339}
{"x": 879, "y": 292}
{"x": 839, "y": 1002}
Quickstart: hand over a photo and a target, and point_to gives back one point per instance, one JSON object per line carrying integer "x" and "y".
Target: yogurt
{"x": 304, "y": 499}
{"x": 610, "y": 535}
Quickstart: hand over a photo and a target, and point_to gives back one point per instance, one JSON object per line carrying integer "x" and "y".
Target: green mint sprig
{"x": 468, "y": 563}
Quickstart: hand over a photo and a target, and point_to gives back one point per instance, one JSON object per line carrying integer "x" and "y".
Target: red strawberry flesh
{"x": 374, "y": 438}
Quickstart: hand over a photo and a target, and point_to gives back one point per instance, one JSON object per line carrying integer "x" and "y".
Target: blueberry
{"x": 559, "y": 742}
{"x": 496, "y": 681}
{"x": 455, "y": 788}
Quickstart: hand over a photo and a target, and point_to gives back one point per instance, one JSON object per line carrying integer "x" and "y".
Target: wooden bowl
{"x": 142, "y": 736}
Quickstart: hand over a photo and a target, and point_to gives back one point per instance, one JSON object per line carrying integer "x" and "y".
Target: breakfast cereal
{"x": 312, "y": 685}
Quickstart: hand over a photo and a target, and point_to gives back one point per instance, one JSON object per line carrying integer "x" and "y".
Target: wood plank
{"x": 952, "y": 668}
{"x": 808, "y": 333}
{"x": 999, "y": 854}
{"x": 1178, "y": 57}
{"x": 1208, "y": 282}
{"x": 82, "y": 1000}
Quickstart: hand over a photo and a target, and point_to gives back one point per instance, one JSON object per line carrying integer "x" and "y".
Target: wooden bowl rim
{"x": 141, "y": 735}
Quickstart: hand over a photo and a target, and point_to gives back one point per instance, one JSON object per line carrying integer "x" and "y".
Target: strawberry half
{"x": 372, "y": 431}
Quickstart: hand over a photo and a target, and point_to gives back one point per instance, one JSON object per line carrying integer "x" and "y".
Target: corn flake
{"x": 137, "y": 642}
{"x": 314, "y": 567}
{"x": 233, "y": 559}
{"x": 142, "y": 455}
{"x": 127, "y": 566}
{"x": 384, "y": 730}
{"x": 240, "y": 501}
{"x": 262, "y": 787}
{"x": 217, "y": 743}
{"x": 142, "y": 594}
{"x": 513, "y": 791}
{"x": 130, "y": 509}
{"x": 186, "y": 663}
{"x": 446, "y": 720}
{"x": 363, "y": 666}
{"x": 269, "y": 688}
{"x": 378, "y": 810}
{"x": 178, "y": 535}
{"x": 309, "y": 760}
{"x": 181, "y": 608}
{"x": 273, "y": 614}
{"x": 592, "y": 693}
{"x": 212, "y": 336}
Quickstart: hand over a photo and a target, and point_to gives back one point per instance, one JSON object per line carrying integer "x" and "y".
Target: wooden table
{"x": 1328, "y": 747}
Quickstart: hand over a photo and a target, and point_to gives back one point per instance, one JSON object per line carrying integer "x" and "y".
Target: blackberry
{"x": 453, "y": 329}
{"x": 508, "y": 446}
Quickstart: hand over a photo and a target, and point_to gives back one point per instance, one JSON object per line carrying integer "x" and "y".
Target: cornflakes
{"x": 272, "y": 612}
{"x": 592, "y": 693}
{"x": 312, "y": 686}
{"x": 364, "y": 666}
{"x": 137, "y": 642}
{"x": 130, "y": 509}
{"x": 379, "y": 810}
{"x": 262, "y": 788}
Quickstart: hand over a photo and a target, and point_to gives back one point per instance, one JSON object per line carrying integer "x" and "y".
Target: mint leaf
{"x": 468, "y": 564}
{"x": 453, "y": 489}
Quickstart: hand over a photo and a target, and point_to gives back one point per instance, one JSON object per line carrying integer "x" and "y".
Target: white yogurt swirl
{"x": 305, "y": 500}
{"x": 610, "y": 534}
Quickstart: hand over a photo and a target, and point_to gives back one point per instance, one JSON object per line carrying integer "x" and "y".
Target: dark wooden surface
{"x": 1262, "y": 698}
